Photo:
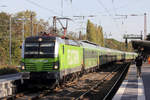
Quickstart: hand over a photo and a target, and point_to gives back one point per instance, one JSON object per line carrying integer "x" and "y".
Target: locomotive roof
{"x": 36, "y": 38}
{"x": 52, "y": 38}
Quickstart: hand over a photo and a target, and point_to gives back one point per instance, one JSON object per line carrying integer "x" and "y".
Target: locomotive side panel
{"x": 70, "y": 59}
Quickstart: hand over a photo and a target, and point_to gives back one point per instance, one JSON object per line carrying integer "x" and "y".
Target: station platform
{"x": 10, "y": 77}
{"x": 134, "y": 88}
{"x": 6, "y": 84}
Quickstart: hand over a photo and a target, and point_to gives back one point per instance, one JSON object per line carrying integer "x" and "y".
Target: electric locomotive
{"x": 49, "y": 57}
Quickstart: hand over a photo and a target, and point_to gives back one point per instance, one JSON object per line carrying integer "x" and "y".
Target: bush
{"x": 8, "y": 70}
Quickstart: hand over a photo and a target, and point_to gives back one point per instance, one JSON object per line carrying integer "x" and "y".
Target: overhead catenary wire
{"x": 99, "y": 1}
{"x": 114, "y": 9}
{"x": 42, "y": 7}
{"x": 115, "y": 13}
{"x": 106, "y": 10}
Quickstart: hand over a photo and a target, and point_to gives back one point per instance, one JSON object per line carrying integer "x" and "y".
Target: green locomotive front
{"x": 40, "y": 57}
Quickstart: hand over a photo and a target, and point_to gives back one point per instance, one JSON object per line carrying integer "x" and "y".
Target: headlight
{"x": 40, "y": 39}
{"x": 55, "y": 67}
{"x": 22, "y": 67}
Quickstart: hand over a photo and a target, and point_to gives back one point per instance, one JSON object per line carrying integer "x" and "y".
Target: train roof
{"x": 86, "y": 41}
{"x": 83, "y": 43}
{"x": 88, "y": 44}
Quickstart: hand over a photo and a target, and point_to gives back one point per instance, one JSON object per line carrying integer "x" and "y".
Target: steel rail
{"x": 106, "y": 96}
{"x": 104, "y": 78}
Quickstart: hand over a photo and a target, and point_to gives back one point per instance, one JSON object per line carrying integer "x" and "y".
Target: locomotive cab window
{"x": 43, "y": 49}
{"x": 46, "y": 50}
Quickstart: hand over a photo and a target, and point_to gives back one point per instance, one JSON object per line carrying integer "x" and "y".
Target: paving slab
{"x": 134, "y": 88}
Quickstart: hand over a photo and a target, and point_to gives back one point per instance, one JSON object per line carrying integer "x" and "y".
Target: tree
{"x": 95, "y": 33}
{"x": 114, "y": 44}
{"x": 90, "y": 31}
{"x": 4, "y": 33}
{"x": 17, "y": 33}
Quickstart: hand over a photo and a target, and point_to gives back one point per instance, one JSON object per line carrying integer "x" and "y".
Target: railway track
{"x": 108, "y": 95}
{"x": 89, "y": 86}
{"x": 116, "y": 85}
{"x": 32, "y": 96}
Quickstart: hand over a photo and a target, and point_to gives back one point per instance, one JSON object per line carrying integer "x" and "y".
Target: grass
{"x": 8, "y": 69}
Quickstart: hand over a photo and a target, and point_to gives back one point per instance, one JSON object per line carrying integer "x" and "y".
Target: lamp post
{"x": 23, "y": 19}
{"x": 37, "y": 28}
{"x": 105, "y": 38}
{"x": 10, "y": 40}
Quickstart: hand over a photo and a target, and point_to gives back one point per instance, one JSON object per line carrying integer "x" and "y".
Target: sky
{"x": 104, "y": 11}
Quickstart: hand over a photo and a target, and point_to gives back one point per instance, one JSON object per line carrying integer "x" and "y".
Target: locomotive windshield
{"x": 39, "y": 49}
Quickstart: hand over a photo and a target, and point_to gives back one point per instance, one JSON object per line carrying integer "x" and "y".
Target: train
{"x": 46, "y": 58}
